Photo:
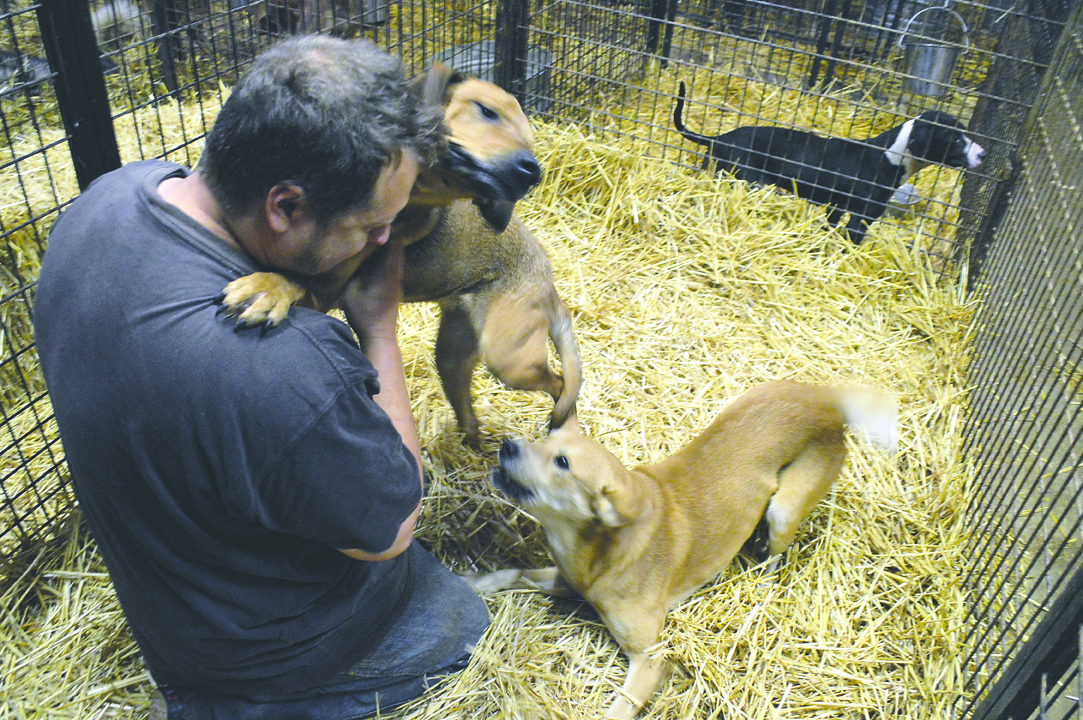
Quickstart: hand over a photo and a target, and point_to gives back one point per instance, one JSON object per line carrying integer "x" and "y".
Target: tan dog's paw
{"x": 547, "y": 580}
{"x": 261, "y": 298}
{"x": 645, "y": 674}
{"x": 489, "y": 583}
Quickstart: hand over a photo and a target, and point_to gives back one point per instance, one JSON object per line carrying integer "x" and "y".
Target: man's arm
{"x": 371, "y": 302}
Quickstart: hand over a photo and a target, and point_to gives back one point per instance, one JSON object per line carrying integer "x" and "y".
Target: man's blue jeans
{"x": 438, "y": 629}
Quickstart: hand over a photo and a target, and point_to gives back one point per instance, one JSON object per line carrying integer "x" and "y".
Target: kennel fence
{"x": 74, "y": 76}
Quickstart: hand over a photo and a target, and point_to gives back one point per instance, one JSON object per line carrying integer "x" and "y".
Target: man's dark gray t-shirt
{"x": 218, "y": 470}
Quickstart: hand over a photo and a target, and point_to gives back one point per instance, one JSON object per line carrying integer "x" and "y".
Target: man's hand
{"x": 372, "y": 295}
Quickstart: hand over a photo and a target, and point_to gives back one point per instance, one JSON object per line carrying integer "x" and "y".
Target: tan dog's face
{"x": 490, "y": 156}
{"x": 488, "y": 123}
{"x": 567, "y": 479}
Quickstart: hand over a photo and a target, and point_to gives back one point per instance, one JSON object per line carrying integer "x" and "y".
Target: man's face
{"x": 311, "y": 250}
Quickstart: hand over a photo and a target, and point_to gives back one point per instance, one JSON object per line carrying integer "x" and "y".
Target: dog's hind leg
{"x": 456, "y": 357}
{"x": 515, "y": 346}
{"x": 563, "y": 337}
{"x": 755, "y": 547}
{"x": 801, "y": 484}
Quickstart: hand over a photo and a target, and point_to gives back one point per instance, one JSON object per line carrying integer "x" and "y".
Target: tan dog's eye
{"x": 487, "y": 112}
{"x": 561, "y": 462}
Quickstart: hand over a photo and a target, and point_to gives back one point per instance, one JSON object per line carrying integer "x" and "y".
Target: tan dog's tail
{"x": 560, "y": 331}
{"x": 872, "y": 416}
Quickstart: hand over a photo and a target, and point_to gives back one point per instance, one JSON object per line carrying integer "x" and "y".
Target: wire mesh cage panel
{"x": 837, "y": 68}
{"x": 73, "y": 78}
{"x": 33, "y": 495}
{"x": 1024, "y": 43}
{"x": 1025, "y": 422}
{"x": 596, "y": 50}
{"x": 87, "y": 86}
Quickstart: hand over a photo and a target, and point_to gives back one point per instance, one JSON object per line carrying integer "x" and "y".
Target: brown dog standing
{"x": 466, "y": 251}
{"x": 636, "y": 542}
{"x": 498, "y": 305}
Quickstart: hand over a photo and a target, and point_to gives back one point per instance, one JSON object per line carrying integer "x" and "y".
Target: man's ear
{"x": 284, "y": 206}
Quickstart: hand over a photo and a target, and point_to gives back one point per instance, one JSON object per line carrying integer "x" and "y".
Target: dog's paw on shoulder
{"x": 261, "y": 298}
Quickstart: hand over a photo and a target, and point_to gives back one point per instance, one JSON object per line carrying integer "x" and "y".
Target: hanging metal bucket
{"x": 479, "y": 59}
{"x": 929, "y": 66}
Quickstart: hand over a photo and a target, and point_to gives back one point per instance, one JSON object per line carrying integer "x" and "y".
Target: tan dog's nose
{"x": 525, "y": 168}
{"x": 505, "y": 475}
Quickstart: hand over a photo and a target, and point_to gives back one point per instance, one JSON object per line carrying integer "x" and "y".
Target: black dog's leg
{"x": 717, "y": 159}
{"x": 856, "y": 229}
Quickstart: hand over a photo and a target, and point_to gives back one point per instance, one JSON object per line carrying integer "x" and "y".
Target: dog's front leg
{"x": 261, "y": 298}
{"x": 856, "y": 228}
{"x": 264, "y": 298}
{"x": 457, "y": 354}
{"x": 644, "y": 675}
{"x": 547, "y": 580}
{"x": 636, "y": 624}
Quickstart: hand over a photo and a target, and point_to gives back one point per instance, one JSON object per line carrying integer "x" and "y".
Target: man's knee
{"x": 460, "y": 609}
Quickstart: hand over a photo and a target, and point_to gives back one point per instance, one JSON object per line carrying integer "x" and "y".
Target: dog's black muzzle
{"x": 508, "y": 180}
{"x": 503, "y": 481}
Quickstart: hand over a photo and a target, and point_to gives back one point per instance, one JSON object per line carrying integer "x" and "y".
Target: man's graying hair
{"x": 324, "y": 114}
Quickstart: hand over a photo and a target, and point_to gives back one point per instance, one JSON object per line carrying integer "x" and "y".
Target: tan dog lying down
{"x": 636, "y": 542}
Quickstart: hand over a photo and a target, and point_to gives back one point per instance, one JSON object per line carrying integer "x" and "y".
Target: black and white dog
{"x": 849, "y": 176}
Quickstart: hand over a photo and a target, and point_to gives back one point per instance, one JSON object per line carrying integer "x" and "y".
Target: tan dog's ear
{"x": 432, "y": 85}
{"x": 607, "y": 508}
{"x": 604, "y": 511}
{"x": 571, "y": 424}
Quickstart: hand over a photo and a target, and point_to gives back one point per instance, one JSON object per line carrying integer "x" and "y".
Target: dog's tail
{"x": 679, "y": 124}
{"x": 872, "y": 415}
{"x": 563, "y": 337}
